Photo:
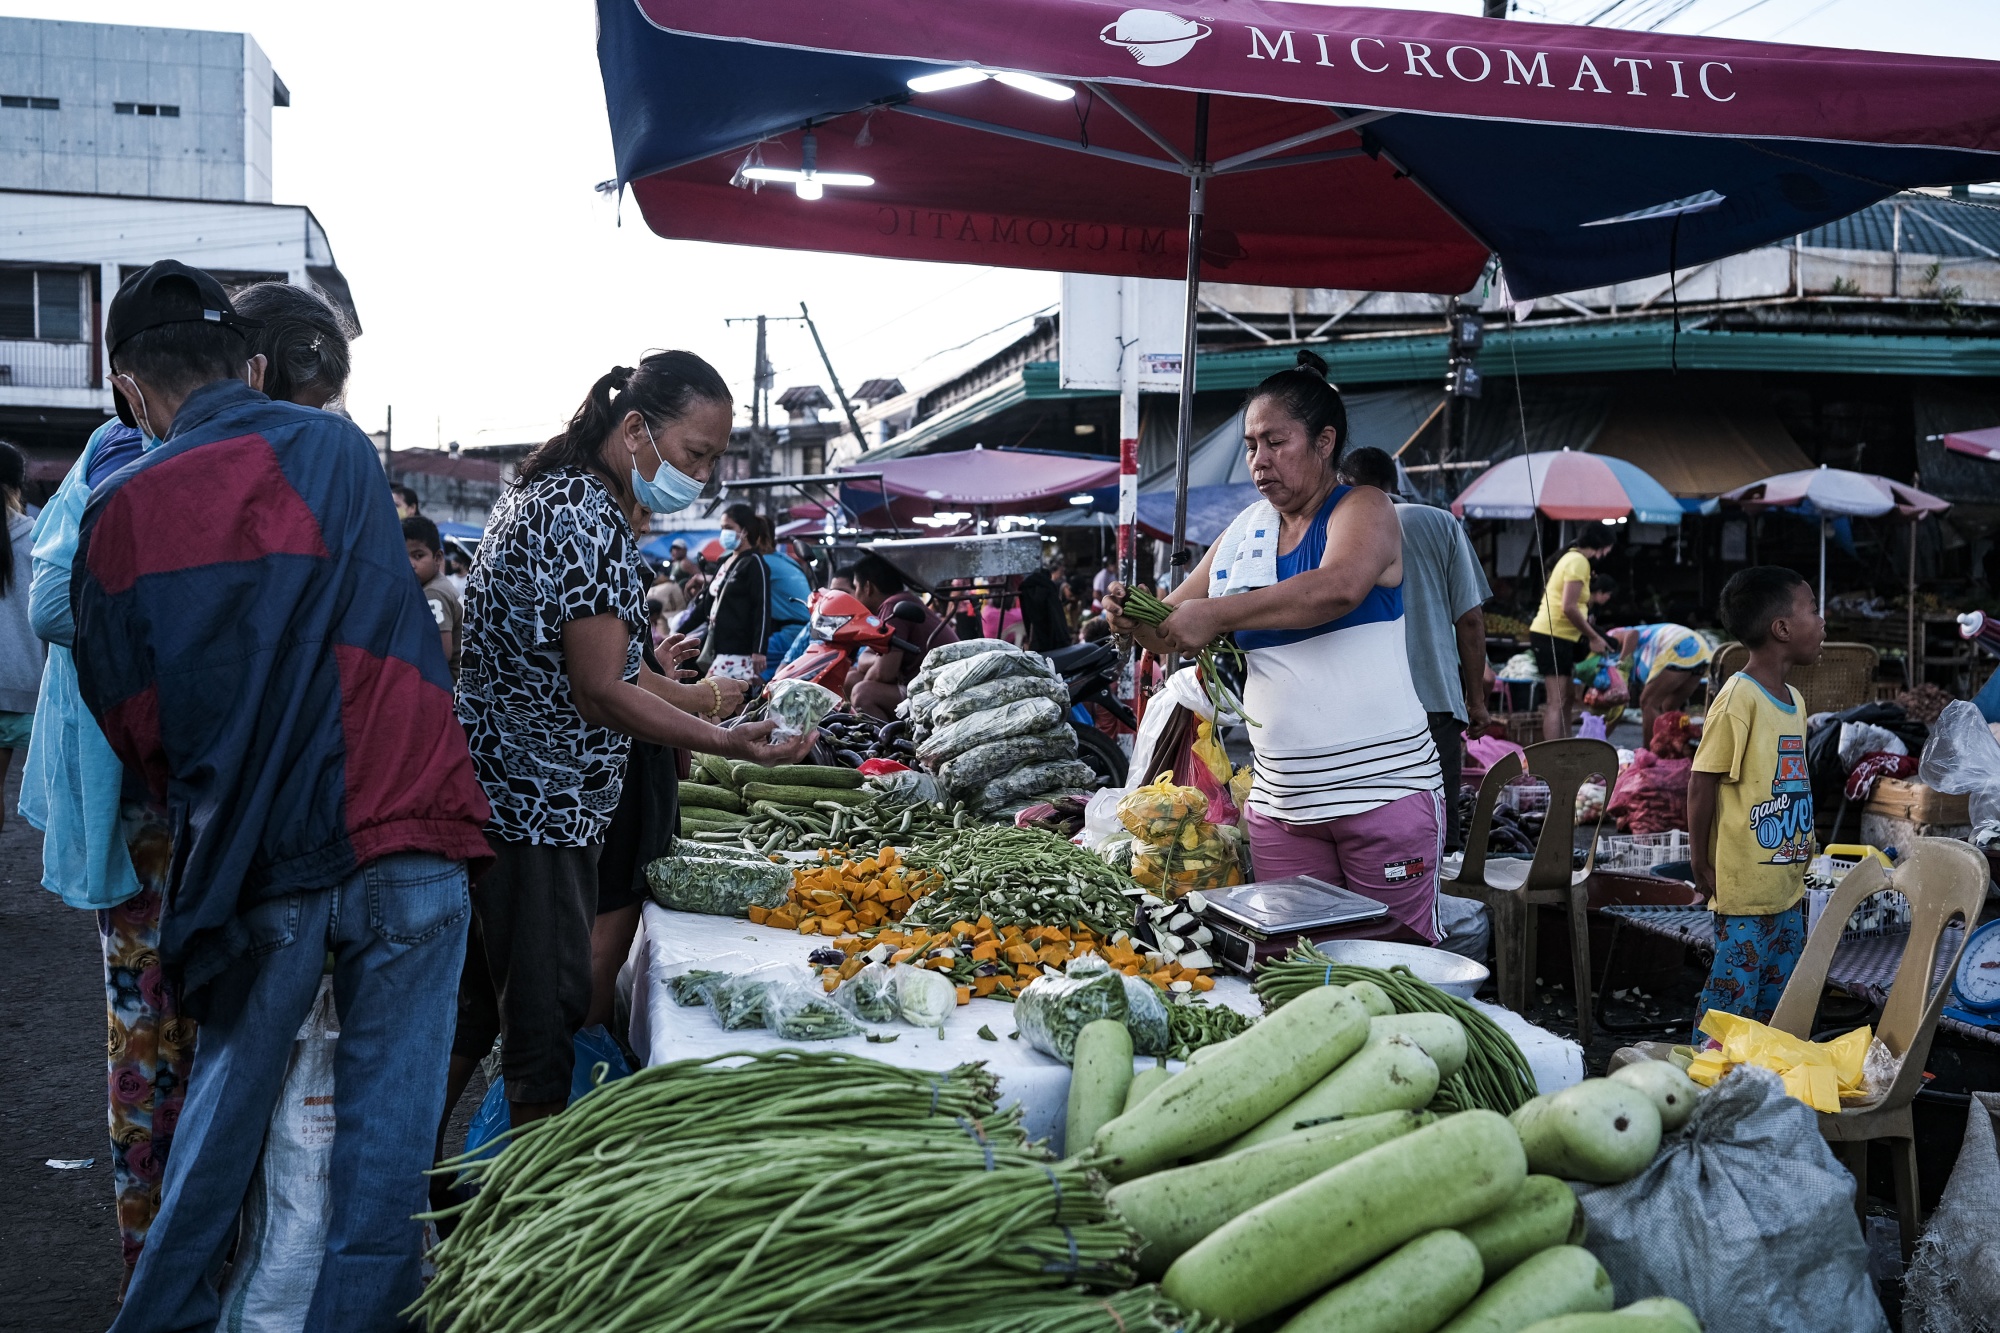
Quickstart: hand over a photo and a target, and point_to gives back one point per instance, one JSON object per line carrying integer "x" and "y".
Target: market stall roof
{"x": 1837, "y": 491}
{"x": 1210, "y": 510}
{"x": 1582, "y": 156}
{"x": 1567, "y": 485}
{"x": 1978, "y": 443}
{"x": 995, "y": 480}
{"x": 1698, "y": 447}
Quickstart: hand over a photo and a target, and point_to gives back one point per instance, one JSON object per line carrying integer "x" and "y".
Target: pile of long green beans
{"x": 793, "y": 1191}
{"x": 1144, "y": 607}
{"x": 1496, "y": 1075}
{"x": 883, "y": 824}
{"x": 1019, "y": 877}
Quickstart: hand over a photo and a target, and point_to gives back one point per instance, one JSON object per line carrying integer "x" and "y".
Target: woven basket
{"x": 1843, "y": 677}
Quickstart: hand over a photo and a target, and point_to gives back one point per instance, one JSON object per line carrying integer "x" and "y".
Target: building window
{"x": 32, "y": 103}
{"x": 144, "y": 109}
{"x": 44, "y": 304}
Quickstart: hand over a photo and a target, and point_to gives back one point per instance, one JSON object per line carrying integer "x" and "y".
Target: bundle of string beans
{"x": 1496, "y": 1075}
{"x": 808, "y": 1192}
{"x": 1142, "y": 606}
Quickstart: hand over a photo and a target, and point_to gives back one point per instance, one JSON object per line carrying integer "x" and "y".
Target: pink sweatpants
{"x": 1389, "y": 854}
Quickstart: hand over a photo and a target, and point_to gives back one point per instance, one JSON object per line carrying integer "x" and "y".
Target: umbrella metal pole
{"x": 1910, "y": 622}
{"x": 1197, "y": 207}
{"x": 1822, "y": 566}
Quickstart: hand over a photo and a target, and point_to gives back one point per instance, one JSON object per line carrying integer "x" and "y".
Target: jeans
{"x": 396, "y": 931}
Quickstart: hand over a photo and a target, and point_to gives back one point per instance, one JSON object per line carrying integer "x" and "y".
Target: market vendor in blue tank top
{"x": 1310, "y": 582}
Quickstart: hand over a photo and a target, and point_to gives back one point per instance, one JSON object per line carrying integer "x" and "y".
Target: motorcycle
{"x": 839, "y": 626}
{"x": 1091, "y": 672}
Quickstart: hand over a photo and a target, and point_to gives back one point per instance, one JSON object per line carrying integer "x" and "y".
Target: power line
{"x": 1754, "y": 4}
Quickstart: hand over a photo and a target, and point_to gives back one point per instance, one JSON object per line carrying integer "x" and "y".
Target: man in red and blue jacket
{"x": 249, "y": 639}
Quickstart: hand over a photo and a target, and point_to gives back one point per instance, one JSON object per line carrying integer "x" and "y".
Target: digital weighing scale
{"x": 1975, "y": 986}
{"x": 1253, "y": 922}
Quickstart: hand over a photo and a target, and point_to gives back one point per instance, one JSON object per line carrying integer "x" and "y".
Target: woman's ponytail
{"x": 661, "y": 388}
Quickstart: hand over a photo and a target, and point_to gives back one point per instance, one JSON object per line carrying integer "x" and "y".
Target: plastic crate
{"x": 1525, "y": 795}
{"x": 1642, "y": 851}
{"x": 1883, "y": 913}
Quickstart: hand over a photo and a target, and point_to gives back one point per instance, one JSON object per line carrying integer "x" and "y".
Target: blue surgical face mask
{"x": 671, "y": 489}
{"x": 729, "y": 538}
{"x": 147, "y": 440}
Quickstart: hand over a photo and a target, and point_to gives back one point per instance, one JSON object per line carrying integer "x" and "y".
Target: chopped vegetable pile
{"x": 1021, "y": 877}
{"x": 741, "y": 1196}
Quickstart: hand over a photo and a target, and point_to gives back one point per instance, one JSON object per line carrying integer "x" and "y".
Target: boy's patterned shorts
{"x": 1754, "y": 958}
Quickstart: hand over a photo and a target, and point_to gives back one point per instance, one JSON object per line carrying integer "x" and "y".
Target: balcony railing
{"x": 27, "y": 364}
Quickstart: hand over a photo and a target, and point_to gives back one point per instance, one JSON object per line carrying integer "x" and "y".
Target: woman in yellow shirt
{"x": 1562, "y": 625}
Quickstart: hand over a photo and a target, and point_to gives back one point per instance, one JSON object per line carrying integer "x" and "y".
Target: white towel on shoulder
{"x": 1246, "y": 557}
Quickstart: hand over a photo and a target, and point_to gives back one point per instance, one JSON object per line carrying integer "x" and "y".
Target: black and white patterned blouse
{"x": 556, "y": 549}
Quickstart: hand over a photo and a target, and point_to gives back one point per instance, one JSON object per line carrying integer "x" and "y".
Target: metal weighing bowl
{"x": 1447, "y": 971}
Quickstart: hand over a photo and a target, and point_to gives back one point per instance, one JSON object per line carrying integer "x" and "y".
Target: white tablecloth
{"x": 670, "y": 943}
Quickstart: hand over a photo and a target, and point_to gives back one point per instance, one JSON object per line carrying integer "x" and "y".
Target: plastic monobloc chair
{"x": 1944, "y": 880}
{"x": 1513, "y": 889}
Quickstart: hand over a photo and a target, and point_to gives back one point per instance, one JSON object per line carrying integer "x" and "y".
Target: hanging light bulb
{"x": 964, "y": 76}
{"x": 808, "y": 181}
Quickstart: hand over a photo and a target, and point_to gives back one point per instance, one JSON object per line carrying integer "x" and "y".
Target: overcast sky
{"x": 450, "y": 149}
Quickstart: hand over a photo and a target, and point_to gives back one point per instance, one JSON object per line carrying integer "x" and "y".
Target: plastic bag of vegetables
{"x": 717, "y": 886}
{"x": 798, "y": 706}
{"x": 803, "y": 1011}
{"x": 870, "y": 994}
{"x": 1052, "y": 1010}
{"x": 994, "y": 693}
{"x": 946, "y": 653}
{"x": 1205, "y": 856}
{"x": 983, "y": 763}
{"x": 1145, "y": 1007}
{"x": 1020, "y": 718}
{"x": 738, "y": 999}
{"x": 1162, "y": 811}
{"x": 988, "y": 666}
{"x": 690, "y": 988}
{"x": 1063, "y": 775}
{"x": 924, "y": 997}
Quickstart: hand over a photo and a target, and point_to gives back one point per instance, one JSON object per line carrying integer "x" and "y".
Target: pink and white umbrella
{"x": 1568, "y": 485}
{"x": 1828, "y": 492}
{"x": 1977, "y": 443}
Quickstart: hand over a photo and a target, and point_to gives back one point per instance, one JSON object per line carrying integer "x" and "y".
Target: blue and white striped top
{"x": 1343, "y": 730}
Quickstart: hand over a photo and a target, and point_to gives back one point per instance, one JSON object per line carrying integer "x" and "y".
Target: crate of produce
{"x": 1641, "y": 851}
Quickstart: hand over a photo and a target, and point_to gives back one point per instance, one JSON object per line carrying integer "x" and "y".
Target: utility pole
{"x": 762, "y": 377}
{"x": 760, "y": 403}
{"x": 853, "y": 422}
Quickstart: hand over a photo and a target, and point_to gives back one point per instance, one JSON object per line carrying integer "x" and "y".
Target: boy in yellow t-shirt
{"x": 1750, "y": 806}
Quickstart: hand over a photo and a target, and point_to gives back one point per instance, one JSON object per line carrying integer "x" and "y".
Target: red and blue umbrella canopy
{"x": 1567, "y": 485}
{"x": 1346, "y": 147}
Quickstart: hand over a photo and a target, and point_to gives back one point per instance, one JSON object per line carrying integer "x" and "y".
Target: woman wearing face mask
{"x": 553, "y": 688}
{"x": 98, "y": 851}
{"x": 739, "y": 602}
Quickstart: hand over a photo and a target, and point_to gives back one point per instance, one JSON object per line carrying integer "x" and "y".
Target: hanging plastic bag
{"x": 596, "y": 1054}
{"x": 285, "y": 1213}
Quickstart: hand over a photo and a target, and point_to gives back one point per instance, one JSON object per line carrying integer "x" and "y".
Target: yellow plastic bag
{"x": 1160, "y": 810}
{"x": 1207, "y": 747}
{"x": 1817, "y": 1073}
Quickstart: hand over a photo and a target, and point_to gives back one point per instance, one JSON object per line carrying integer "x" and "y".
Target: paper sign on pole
{"x": 1097, "y": 334}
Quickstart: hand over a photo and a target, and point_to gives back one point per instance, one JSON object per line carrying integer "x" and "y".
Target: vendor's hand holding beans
{"x": 1146, "y": 636}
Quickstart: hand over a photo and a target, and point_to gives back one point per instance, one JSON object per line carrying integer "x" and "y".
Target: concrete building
{"x": 96, "y": 108}
{"x": 120, "y": 146}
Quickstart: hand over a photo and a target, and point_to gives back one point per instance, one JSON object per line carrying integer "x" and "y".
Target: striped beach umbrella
{"x": 1568, "y": 485}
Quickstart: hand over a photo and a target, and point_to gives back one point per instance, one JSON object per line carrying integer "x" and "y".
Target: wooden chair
{"x": 1944, "y": 880}
{"x": 1513, "y": 889}
{"x": 1843, "y": 677}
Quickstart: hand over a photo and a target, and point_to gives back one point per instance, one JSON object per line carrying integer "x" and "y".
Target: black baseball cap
{"x": 167, "y": 292}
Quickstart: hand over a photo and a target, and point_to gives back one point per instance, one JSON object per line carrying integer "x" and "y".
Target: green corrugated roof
{"x": 1564, "y": 350}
